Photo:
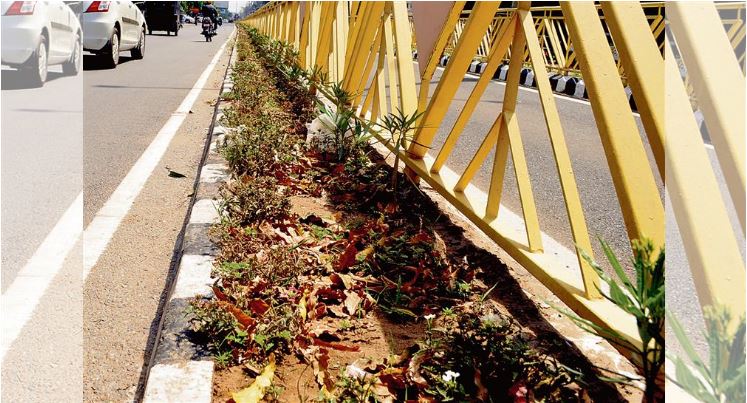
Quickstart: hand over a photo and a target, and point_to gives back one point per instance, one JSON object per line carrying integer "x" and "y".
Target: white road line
{"x": 100, "y": 231}
{"x": 18, "y": 302}
{"x": 31, "y": 282}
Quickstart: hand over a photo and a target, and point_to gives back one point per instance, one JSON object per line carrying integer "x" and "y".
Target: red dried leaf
{"x": 219, "y": 294}
{"x": 393, "y": 378}
{"x": 330, "y": 295}
{"x": 421, "y": 237}
{"x": 245, "y": 320}
{"x": 347, "y": 259}
{"x": 338, "y": 169}
{"x": 258, "y": 306}
{"x": 335, "y": 346}
{"x": 518, "y": 392}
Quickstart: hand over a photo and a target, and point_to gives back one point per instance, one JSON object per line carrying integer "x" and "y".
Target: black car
{"x": 162, "y": 16}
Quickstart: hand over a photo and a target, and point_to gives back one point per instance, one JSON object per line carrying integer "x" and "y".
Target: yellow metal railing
{"x": 552, "y": 33}
{"x": 367, "y": 46}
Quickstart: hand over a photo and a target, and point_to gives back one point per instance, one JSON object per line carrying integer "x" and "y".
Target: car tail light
{"x": 98, "y": 7}
{"x": 21, "y": 8}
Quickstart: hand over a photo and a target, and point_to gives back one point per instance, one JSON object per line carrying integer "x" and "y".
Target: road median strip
{"x": 325, "y": 257}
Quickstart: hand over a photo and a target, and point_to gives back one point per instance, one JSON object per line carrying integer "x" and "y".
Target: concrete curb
{"x": 182, "y": 371}
{"x": 560, "y": 84}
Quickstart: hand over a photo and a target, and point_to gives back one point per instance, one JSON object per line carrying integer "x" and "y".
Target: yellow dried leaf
{"x": 302, "y": 312}
{"x": 256, "y": 391}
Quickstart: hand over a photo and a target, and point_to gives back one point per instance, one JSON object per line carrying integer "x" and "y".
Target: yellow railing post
{"x": 639, "y": 198}
{"x": 644, "y": 68}
{"x": 405, "y": 69}
{"x": 707, "y": 52}
{"x": 480, "y": 18}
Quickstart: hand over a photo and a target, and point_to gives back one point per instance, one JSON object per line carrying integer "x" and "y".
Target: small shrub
{"x": 220, "y": 330}
{"x": 250, "y": 200}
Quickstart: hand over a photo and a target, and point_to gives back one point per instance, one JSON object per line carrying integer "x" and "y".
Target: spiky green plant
{"x": 722, "y": 379}
{"x": 644, "y": 300}
{"x": 340, "y": 96}
{"x": 350, "y": 135}
{"x": 399, "y": 128}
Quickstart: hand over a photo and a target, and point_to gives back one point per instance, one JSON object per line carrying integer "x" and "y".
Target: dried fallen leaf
{"x": 352, "y": 300}
{"x": 413, "y": 370}
{"x": 256, "y": 391}
{"x": 220, "y": 295}
{"x": 335, "y": 346}
{"x": 320, "y": 363}
{"x": 245, "y": 320}
{"x": 337, "y": 311}
{"x": 258, "y": 306}
{"x": 482, "y": 391}
{"x": 347, "y": 259}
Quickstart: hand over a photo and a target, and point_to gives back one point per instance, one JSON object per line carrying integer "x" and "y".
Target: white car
{"x": 110, "y": 27}
{"x": 37, "y": 34}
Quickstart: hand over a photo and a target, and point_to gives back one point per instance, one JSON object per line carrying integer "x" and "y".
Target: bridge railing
{"x": 367, "y": 46}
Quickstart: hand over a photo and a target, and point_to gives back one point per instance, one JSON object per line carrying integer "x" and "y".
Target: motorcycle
{"x": 208, "y": 29}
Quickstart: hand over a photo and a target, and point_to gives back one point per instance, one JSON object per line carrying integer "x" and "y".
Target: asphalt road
{"x": 42, "y": 161}
{"x": 125, "y": 108}
{"x": 84, "y": 134}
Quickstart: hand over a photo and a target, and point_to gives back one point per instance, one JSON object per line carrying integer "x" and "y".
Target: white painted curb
{"x": 180, "y": 371}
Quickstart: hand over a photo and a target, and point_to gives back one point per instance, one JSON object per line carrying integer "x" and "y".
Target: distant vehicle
{"x": 110, "y": 27}
{"x": 37, "y": 34}
{"x": 187, "y": 19}
{"x": 220, "y": 20}
{"x": 198, "y": 18}
{"x": 162, "y": 16}
{"x": 208, "y": 29}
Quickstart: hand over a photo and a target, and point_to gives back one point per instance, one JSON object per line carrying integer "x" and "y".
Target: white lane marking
{"x": 24, "y": 293}
{"x": 100, "y": 231}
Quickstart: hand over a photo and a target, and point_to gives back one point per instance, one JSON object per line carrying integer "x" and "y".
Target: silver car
{"x": 110, "y": 27}
{"x": 37, "y": 34}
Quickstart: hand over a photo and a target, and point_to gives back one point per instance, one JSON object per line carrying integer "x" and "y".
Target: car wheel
{"x": 72, "y": 66}
{"x": 38, "y": 67}
{"x": 111, "y": 55}
{"x": 150, "y": 32}
{"x": 176, "y": 33}
{"x": 139, "y": 51}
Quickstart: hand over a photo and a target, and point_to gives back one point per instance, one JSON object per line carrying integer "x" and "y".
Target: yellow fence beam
{"x": 639, "y": 198}
{"x": 479, "y": 20}
{"x": 574, "y": 208}
{"x": 709, "y": 242}
{"x": 644, "y": 68}
{"x": 438, "y": 48}
{"x": 405, "y": 70}
{"x": 707, "y": 53}
{"x": 500, "y": 47}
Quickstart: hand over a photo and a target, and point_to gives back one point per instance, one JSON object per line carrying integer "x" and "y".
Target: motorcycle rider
{"x": 209, "y": 11}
